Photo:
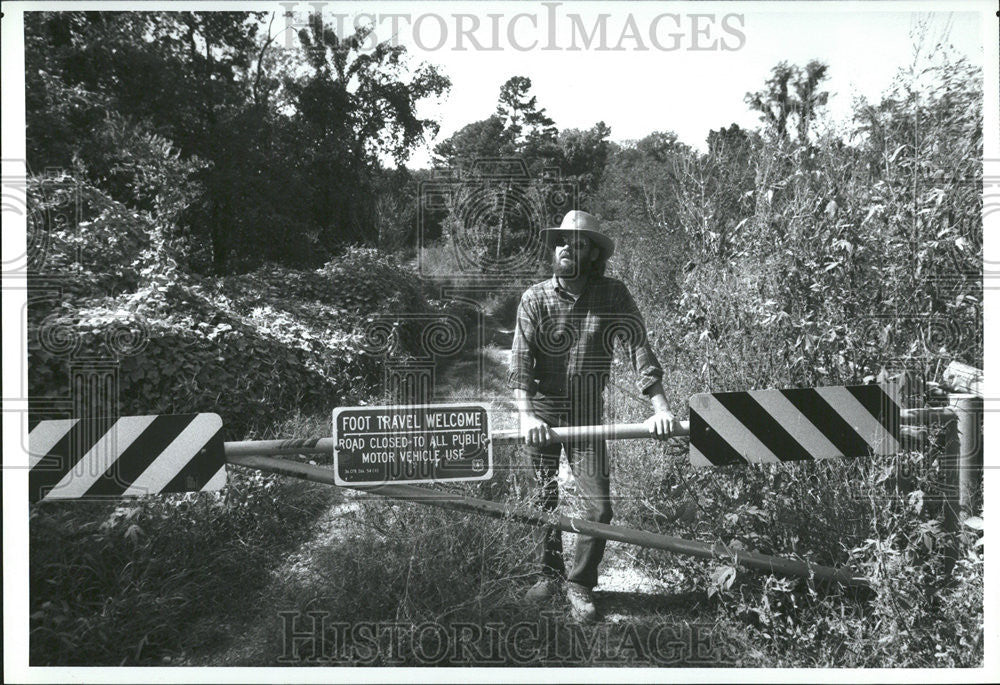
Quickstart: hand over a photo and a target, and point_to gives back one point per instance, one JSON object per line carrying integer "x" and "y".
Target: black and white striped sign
{"x": 763, "y": 426}
{"x": 133, "y": 455}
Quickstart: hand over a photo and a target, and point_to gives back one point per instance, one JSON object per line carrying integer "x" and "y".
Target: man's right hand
{"x": 534, "y": 431}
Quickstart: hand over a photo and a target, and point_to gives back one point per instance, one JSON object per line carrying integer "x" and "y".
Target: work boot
{"x": 581, "y": 603}
{"x": 542, "y": 591}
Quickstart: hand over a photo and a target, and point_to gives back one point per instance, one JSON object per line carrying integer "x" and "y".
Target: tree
{"x": 808, "y": 97}
{"x": 642, "y": 180}
{"x": 502, "y": 198}
{"x": 518, "y": 128}
{"x": 484, "y": 139}
{"x": 530, "y": 128}
{"x": 265, "y": 125}
{"x": 95, "y": 79}
{"x": 178, "y": 70}
{"x": 367, "y": 91}
{"x": 351, "y": 108}
{"x": 791, "y": 92}
{"x": 731, "y": 163}
{"x": 583, "y": 156}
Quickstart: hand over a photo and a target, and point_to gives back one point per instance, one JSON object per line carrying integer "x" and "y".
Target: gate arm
{"x": 606, "y": 531}
{"x": 615, "y": 431}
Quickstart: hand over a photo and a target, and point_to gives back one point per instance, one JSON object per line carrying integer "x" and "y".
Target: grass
{"x": 151, "y": 580}
{"x": 395, "y": 583}
{"x": 443, "y": 575}
{"x": 782, "y": 264}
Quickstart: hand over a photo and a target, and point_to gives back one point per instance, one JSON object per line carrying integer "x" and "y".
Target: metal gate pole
{"x": 950, "y": 451}
{"x": 969, "y": 410}
{"x": 535, "y": 517}
{"x": 615, "y": 431}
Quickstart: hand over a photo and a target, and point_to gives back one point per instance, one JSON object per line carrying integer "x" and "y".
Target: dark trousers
{"x": 589, "y": 462}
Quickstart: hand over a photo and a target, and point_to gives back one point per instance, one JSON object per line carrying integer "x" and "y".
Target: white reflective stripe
{"x": 795, "y": 422}
{"x": 45, "y": 436}
{"x": 697, "y": 458}
{"x": 101, "y": 456}
{"x": 176, "y": 456}
{"x": 860, "y": 419}
{"x": 216, "y": 482}
{"x": 732, "y": 430}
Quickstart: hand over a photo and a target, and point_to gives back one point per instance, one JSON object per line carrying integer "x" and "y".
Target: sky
{"x": 684, "y": 83}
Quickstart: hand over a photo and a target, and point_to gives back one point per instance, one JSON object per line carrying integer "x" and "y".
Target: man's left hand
{"x": 662, "y": 425}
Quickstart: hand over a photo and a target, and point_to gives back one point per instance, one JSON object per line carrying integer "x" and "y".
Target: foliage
{"x": 143, "y": 582}
{"x": 844, "y": 256}
{"x": 278, "y": 152}
{"x": 791, "y": 93}
{"x": 518, "y": 128}
{"x": 150, "y": 580}
{"x": 180, "y": 73}
{"x": 642, "y": 180}
{"x": 513, "y": 174}
{"x": 364, "y": 93}
{"x": 251, "y": 348}
{"x": 531, "y": 130}
{"x": 583, "y": 156}
{"x": 397, "y": 210}
{"x": 484, "y": 139}
{"x": 837, "y": 258}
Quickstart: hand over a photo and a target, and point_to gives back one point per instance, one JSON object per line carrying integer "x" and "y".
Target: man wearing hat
{"x": 560, "y": 362}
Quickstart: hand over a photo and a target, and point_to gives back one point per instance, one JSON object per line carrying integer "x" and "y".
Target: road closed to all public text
{"x": 412, "y": 444}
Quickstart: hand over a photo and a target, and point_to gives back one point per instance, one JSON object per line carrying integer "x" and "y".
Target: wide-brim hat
{"x": 584, "y": 223}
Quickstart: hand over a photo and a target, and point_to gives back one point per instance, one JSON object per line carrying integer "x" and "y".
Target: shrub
{"x": 143, "y": 582}
{"x": 253, "y": 348}
{"x": 851, "y": 256}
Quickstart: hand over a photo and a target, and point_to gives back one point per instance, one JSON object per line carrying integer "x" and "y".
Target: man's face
{"x": 573, "y": 255}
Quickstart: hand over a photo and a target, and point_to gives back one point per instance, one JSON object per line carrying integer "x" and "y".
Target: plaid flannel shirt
{"x": 560, "y": 340}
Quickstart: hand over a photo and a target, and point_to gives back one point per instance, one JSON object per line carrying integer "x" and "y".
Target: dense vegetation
{"x": 222, "y": 226}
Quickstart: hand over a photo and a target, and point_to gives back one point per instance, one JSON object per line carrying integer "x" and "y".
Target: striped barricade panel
{"x": 131, "y": 455}
{"x": 802, "y": 424}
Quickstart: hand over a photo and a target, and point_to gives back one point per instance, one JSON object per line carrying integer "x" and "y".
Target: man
{"x": 560, "y": 362}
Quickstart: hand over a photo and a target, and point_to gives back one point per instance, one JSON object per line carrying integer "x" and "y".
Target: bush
{"x": 143, "y": 582}
{"x": 850, "y": 257}
{"x": 253, "y": 348}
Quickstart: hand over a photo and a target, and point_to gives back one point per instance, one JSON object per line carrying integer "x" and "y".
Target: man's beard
{"x": 576, "y": 267}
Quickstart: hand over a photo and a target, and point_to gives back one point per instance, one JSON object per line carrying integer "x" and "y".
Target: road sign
{"x": 792, "y": 425}
{"x": 131, "y": 455}
{"x": 412, "y": 443}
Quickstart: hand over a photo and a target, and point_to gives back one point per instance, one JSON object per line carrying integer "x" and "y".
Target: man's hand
{"x": 534, "y": 431}
{"x": 662, "y": 425}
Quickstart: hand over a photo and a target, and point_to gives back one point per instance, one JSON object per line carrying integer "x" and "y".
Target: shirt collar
{"x": 554, "y": 283}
